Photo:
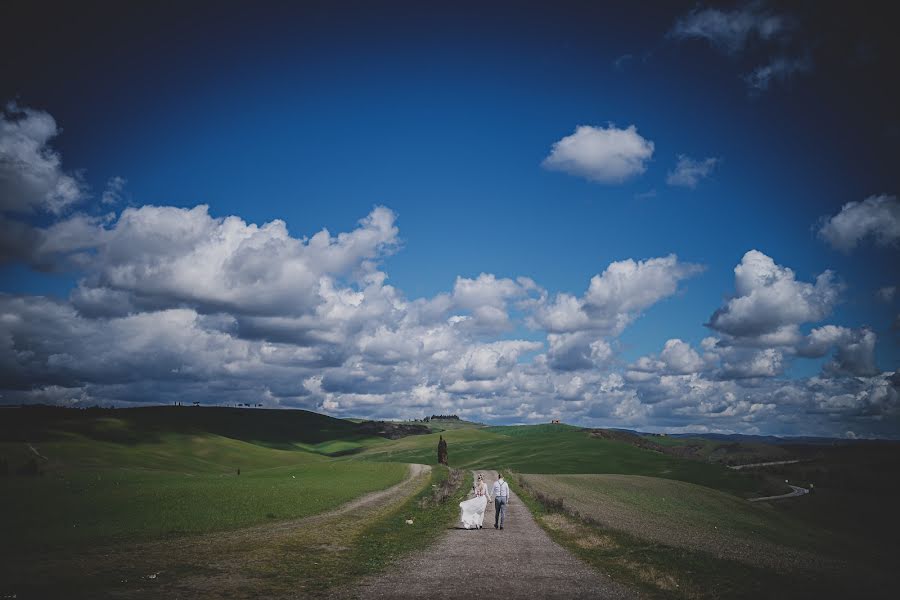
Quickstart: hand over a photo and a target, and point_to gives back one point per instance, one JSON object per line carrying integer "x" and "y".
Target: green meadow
{"x": 556, "y": 449}
{"x": 682, "y": 514}
{"x": 678, "y": 527}
{"x": 220, "y": 482}
{"x": 152, "y": 474}
{"x": 104, "y": 505}
{"x": 672, "y": 539}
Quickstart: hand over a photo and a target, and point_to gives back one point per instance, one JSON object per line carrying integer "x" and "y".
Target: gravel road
{"x": 763, "y": 464}
{"x": 520, "y": 561}
{"x": 797, "y": 491}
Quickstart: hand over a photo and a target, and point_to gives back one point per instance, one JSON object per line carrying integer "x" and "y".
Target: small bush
{"x": 444, "y": 490}
{"x": 550, "y": 504}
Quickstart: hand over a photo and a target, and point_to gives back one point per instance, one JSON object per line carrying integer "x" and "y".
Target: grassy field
{"x": 339, "y": 551}
{"x": 721, "y": 451}
{"x": 307, "y": 558}
{"x": 140, "y": 476}
{"x": 105, "y": 505}
{"x": 180, "y": 488}
{"x": 684, "y": 514}
{"x": 438, "y": 425}
{"x": 280, "y": 429}
{"x": 372, "y": 546}
{"x": 681, "y": 527}
{"x": 661, "y": 568}
{"x": 557, "y": 449}
{"x": 856, "y": 495}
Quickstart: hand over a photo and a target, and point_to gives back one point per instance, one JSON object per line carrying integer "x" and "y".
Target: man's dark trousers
{"x": 499, "y": 510}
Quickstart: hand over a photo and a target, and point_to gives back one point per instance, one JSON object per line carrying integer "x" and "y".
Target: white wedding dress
{"x": 471, "y": 511}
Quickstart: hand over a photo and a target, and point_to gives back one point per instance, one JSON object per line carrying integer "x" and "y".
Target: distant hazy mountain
{"x": 769, "y": 439}
{"x": 760, "y": 439}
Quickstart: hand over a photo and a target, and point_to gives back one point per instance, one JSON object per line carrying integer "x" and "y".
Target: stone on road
{"x": 520, "y": 561}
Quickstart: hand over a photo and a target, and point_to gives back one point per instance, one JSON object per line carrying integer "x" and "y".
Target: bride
{"x": 472, "y": 510}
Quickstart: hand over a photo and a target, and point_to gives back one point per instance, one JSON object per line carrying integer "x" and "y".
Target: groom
{"x": 501, "y": 498}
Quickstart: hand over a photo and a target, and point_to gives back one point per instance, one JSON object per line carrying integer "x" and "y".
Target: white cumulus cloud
{"x": 575, "y": 351}
{"x": 604, "y": 155}
{"x": 31, "y": 174}
{"x": 163, "y": 254}
{"x": 485, "y": 300}
{"x": 615, "y": 297}
{"x": 876, "y": 217}
{"x": 176, "y": 303}
{"x": 757, "y": 363}
{"x": 768, "y": 298}
{"x": 677, "y": 358}
{"x": 854, "y": 349}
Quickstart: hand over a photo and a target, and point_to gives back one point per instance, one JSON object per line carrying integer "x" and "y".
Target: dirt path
{"x": 764, "y": 464}
{"x": 797, "y": 491}
{"x": 401, "y": 489}
{"x": 36, "y": 453}
{"x": 213, "y": 565}
{"x": 274, "y": 530}
{"x": 520, "y": 561}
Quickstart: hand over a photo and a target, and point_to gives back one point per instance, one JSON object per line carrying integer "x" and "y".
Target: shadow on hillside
{"x": 280, "y": 429}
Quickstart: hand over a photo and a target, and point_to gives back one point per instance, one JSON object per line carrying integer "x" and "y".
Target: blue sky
{"x": 316, "y": 115}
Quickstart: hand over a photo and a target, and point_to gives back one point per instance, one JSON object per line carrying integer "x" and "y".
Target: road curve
{"x": 797, "y": 491}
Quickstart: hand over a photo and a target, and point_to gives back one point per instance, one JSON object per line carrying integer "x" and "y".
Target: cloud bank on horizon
{"x": 174, "y": 303}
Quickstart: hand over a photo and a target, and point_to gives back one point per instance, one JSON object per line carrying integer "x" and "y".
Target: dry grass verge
{"x": 663, "y": 570}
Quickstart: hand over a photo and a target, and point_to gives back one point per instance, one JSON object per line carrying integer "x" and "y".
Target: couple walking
{"x": 472, "y": 510}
